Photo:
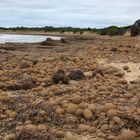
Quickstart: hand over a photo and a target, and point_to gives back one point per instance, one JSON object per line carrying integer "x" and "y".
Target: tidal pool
{"x": 16, "y": 38}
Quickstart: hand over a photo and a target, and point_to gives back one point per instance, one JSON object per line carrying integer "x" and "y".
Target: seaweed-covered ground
{"x": 76, "y": 88}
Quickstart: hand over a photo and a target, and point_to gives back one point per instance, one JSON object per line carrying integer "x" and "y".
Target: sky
{"x": 75, "y": 13}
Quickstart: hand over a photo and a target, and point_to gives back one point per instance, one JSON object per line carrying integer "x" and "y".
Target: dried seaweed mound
{"x": 60, "y": 76}
{"x": 26, "y": 134}
{"x": 22, "y": 84}
{"x": 76, "y": 75}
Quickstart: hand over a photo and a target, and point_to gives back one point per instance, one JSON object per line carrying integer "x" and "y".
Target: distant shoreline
{"x": 57, "y": 34}
{"x": 67, "y": 31}
{"x": 30, "y": 33}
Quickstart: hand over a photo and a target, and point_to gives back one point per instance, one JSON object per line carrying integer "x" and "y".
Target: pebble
{"x": 10, "y": 114}
{"x": 79, "y": 112}
{"x": 53, "y": 131}
{"x": 42, "y": 112}
{"x": 104, "y": 128}
{"x": 4, "y": 98}
{"x": 92, "y": 107}
{"x": 71, "y": 108}
{"x": 10, "y": 137}
{"x": 42, "y": 127}
{"x": 109, "y": 106}
{"x": 30, "y": 127}
{"x": 70, "y": 138}
{"x": 3, "y": 116}
{"x": 87, "y": 114}
{"x": 19, "y": 128}
{"x": 126, "y": 135}
{"x": 28, "y": 122}
{"x": 55, "y": 88}
{"x": 82, "y": 105}
{"x": 60, "y": 111}
{"x": 76, "y": 99}
{"x": 60, "y": 134}
{"x": 116, "y": 120}
{"x": 125, "y": 67}
{"x": 111, "y": 113}
{"x": 83, "y": 127}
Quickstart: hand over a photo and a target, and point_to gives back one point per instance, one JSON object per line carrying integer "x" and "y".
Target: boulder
{"x": 135, "y": 30}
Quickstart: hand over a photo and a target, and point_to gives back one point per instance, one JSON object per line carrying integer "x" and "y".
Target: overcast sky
{"x": 76, "y": 13}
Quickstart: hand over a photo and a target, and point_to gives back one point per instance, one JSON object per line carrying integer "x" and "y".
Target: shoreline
{"x": 39, "y": 33}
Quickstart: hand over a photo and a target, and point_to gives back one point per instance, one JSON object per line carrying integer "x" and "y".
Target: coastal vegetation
{"x": 111, "y": 31}
{"x": 134, "y": 29}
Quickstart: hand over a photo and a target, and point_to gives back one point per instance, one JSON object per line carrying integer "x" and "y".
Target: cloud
{"x": 83, "y": 13}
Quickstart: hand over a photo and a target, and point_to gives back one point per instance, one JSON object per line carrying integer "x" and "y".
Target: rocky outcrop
{"x": 135, "y": 30}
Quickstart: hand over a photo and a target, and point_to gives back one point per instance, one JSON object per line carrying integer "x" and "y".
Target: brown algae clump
{"x": 76, "y": 75}
{"x": 60, "y": 76}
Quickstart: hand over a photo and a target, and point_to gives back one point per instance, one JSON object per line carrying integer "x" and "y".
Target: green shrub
{"x": 112, "y": 31}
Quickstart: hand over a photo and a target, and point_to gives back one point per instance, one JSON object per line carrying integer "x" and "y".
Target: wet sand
{"x": 103, "y": 105}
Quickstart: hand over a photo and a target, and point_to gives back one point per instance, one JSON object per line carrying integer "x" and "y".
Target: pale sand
{"x": 134, "y": 68}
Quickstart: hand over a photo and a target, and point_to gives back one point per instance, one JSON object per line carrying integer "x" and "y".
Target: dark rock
{"x": 60, "y": 76}
{"x": 49, "y": 42}
{"x": 63, "y": 40}
{"x": 49, "y": 39}
{"x": 43, "y": 43}
{"x": 35, "y": 62}
{"x": 76, "y": 75}
{"x": 114, "y": 49}
{"x": 135, "y": 30}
